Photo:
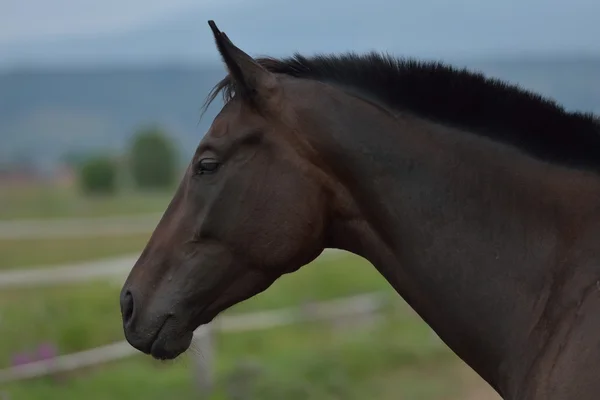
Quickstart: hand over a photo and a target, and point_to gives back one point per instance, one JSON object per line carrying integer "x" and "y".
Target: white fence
{"x": 355, "y": 307}
{"x": 77, "y": 227}
{"x": 72, "y": 273}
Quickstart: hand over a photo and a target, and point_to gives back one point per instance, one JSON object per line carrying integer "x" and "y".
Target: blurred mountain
{"x": 46, "y": 113}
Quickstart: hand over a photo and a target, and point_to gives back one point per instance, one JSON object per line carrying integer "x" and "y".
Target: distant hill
{"x": 47, "y": 113}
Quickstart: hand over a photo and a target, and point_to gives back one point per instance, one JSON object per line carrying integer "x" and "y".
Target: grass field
{"x": 311, "y": 361}
{"x": 53, "y": 202}
{"x": 77, "y": 317}
{"x": 398, "y": 359}
{"x": 60, "y": 251}
{"x": 44, "y": 202}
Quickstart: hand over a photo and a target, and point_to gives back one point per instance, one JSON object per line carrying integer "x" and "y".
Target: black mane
{"x": 457, "y": 97}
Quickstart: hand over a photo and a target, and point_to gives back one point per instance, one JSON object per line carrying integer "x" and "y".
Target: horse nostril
{"x": 127, "y": 307}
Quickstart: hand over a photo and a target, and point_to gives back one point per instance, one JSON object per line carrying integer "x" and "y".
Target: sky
{"x": 113, "y": 31}
{"x": 22, "y": 20}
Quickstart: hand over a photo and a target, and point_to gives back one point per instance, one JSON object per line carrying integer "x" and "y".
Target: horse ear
{"x": 252, "y": 82}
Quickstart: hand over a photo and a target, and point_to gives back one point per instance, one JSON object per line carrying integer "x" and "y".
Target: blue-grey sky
{"x": 114, "y": 31}
{"x": 22, "y": 20}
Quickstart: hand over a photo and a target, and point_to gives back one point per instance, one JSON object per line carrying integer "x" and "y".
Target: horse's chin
{"x": 171, "y": 342}
{"x": 170, "y": 347}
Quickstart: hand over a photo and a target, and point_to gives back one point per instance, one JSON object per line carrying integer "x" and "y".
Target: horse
{"x": 477, "y": 200}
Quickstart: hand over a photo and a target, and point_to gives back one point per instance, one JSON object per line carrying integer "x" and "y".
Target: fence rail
{"x": 72, "y": 273}
{"x": 78, "y": 227}
{"x": 355, "y": 306}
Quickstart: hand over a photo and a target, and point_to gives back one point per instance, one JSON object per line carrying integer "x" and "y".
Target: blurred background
{"x": 99, "y": 114}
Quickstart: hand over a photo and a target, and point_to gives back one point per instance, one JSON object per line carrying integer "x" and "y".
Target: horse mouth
{"x": 169, "y": 348}
{"x": 170, "y": 342}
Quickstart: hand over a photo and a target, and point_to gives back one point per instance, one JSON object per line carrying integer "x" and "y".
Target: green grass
{"x": 77, "y": 317}
{"x": 308, "y": 361}
{"x": 46, "y": 202}
{"x": 48, "y": 252}
{"x": 398, "y": 359}
{"x": 73, "y": 317}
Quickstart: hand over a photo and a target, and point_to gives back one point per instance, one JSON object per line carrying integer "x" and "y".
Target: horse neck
{"x": 466, "y": 230}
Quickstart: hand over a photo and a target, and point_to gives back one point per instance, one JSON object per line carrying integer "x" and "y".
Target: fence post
{"x": 203, "y": 359}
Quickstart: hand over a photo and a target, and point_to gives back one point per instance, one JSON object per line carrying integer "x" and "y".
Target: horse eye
{"x": 207, "y": 166}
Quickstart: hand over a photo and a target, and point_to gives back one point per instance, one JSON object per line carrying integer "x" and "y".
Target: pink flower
{"x": 46, "y": 351}
{"x": 21, "y": 358}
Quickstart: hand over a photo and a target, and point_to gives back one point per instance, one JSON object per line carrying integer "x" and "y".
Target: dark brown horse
{"x": 478, "y": 202}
